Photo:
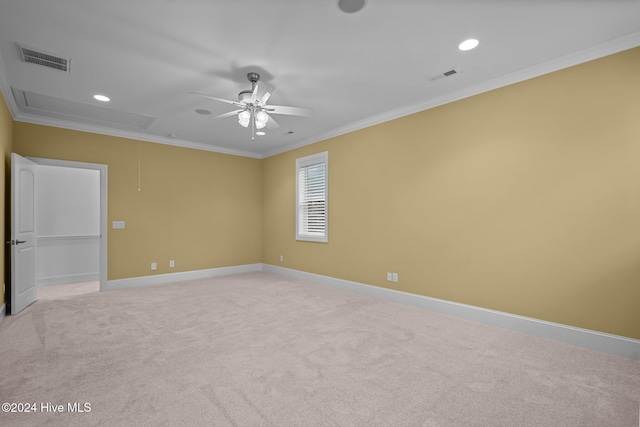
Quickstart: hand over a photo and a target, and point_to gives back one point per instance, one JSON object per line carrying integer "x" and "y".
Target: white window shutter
{"x": 311, "y": 198}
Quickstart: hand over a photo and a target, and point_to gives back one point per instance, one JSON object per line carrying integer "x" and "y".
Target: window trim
{"x": 302, "y": 162}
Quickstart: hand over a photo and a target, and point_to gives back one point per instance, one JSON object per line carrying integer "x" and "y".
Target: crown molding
{"x": 138, "y": 136}
{"x": 585, "y": 55}
{"x": 18, "y": 116}
{"x": 588, "y": 54}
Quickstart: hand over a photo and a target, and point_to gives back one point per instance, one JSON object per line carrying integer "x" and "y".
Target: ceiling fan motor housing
{"x": 245, "y": 96}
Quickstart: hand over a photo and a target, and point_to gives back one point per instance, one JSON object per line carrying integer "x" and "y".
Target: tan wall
{"x": 524, "y": 199}
{"x": 201, "y": 209}
{"x": 6, "y": 143}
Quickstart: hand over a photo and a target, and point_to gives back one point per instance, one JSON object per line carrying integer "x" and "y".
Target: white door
{"x": 23, "y": 235}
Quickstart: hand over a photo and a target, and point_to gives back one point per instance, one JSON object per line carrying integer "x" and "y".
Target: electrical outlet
{"x": 172, "y": 263}
{"x": 389, "y": 277}
{"x": 395, "y": 277}
{"x": 154, "y": 266}
{"x": 281, "y": 258}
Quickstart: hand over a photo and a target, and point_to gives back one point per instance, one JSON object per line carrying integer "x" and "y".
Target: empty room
{"x": 328, "y": 213}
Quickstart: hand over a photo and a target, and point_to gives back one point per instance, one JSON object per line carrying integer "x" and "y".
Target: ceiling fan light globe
{"x": 260, "y": 125}
{"x": 244, "y": 120}
{"x": 244, "y": 116}
{"x": 262, "y": 117}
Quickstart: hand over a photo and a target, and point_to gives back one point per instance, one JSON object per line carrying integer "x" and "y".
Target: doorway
{"x": 72, "y": 242}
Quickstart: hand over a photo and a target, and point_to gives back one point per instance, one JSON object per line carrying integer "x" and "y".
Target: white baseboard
{"x": 161, "y": 279}
{"x": 607, "y": 343}
{"x": 3, "y": 311}
{"x": 67, "y": 279}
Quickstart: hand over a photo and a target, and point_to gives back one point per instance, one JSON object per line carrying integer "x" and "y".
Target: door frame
{"x": 103, "y": 205}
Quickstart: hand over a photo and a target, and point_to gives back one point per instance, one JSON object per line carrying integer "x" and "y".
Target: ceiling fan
{"x": 253, "y": 109}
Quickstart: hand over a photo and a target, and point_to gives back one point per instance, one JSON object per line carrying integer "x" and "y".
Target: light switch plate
{"x": 118, "y": 224}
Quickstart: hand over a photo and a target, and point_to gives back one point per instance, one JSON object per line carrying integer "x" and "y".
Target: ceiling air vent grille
{"x": 45, "y": 59}
{"x": 451, "y": 72}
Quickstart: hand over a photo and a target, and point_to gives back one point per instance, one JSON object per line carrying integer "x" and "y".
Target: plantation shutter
{"x": 312, "y": 198}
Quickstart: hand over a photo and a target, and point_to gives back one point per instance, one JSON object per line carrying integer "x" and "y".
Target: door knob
{"x": 16, "y": 242}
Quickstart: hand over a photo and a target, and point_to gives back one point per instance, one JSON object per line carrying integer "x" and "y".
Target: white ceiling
{"x": 353, "y": 70}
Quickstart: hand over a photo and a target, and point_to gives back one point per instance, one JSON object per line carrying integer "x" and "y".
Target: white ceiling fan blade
{"x": 261, "y": 92}
{"x": 265, "y": 98}
{"x": 229, "y": 114}
{"x": 272, "y": 124}
{"x": 236, "y": 103}
{"x": 291, "y": 111}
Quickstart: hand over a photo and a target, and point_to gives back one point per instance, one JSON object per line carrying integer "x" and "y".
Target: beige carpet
{"x": 67, "y": 291}
{"x": 262, "y": 350}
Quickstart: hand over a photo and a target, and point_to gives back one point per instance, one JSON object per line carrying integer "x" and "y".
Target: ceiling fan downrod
{"x": 253, "y": 78}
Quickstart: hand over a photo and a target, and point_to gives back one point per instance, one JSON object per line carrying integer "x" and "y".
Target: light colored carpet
{"x": 259, "y": 349}
{"x": 67, "y": 291}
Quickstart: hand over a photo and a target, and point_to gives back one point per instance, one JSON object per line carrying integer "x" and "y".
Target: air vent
{"x": 34, "y": 56}
{"x": 451, "y": 72}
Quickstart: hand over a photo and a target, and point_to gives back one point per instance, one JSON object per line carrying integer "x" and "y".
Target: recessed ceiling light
{"x": 468, "y": 44}
{"x": 101, "y": 98}
{"x": 351, "y": 6}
